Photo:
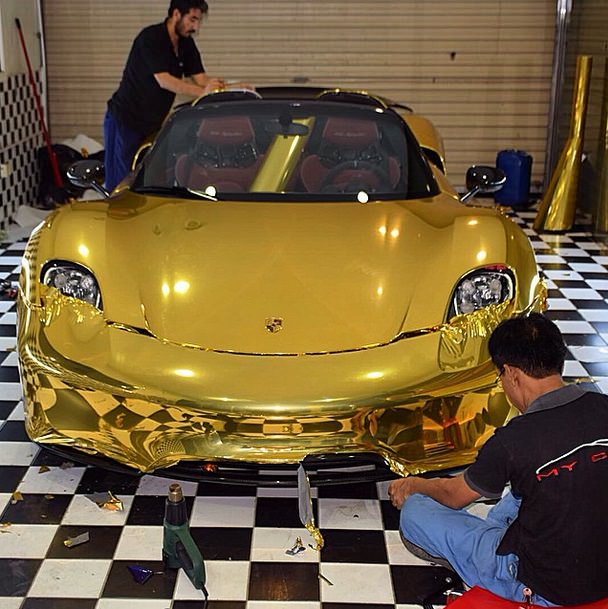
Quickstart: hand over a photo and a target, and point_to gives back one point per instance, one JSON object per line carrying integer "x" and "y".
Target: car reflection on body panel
{"x": 287, "y": 277}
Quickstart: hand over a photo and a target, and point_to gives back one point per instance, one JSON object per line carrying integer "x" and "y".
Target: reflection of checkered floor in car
{"x": 242, "y": 532}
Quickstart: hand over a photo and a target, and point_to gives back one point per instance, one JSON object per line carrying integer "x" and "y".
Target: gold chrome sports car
{"x": 287, "y": 277}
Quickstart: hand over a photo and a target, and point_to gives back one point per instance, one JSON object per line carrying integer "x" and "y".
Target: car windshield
{"x": 285, "y": 150}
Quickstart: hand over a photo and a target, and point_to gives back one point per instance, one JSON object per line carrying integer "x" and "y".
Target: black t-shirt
{"x": 140, "y": 103}
{"x": 555, "y": 457}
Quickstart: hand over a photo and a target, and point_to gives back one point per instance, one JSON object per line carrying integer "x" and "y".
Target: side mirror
{"x": 88, "y": 173}
{"x": 483, "y": 178}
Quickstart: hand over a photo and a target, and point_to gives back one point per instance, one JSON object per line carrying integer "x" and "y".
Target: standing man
{"x": 549, "y": 532}
{"x": 160, "y": 56}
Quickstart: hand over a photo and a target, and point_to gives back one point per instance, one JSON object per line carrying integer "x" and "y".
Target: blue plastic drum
{"x": 517, "y": 166}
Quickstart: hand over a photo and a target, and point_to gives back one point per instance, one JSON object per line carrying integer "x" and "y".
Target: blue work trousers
{"x": 121, "y": 144}
{"x": 468, "y": 542}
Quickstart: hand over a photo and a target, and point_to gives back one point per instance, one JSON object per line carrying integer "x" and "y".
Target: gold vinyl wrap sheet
{"x": 425, "y": 402}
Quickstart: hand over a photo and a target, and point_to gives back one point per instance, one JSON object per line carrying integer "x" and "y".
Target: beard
{"x": 182, "y": 30}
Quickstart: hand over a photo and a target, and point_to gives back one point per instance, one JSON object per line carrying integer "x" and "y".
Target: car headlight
{"x": 481, "y": 288}
{"x": 74, "y": 280}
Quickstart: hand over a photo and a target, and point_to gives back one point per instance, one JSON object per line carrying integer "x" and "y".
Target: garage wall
{"x": 20, "y": 134}
{"x": 481, "y": 72}
{"x": 588, "y": 35}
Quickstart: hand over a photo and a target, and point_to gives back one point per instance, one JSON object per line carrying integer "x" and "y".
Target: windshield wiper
{"x": 174, "y": 191}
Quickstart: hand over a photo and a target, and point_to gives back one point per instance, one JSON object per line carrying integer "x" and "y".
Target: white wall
{"x": 27, "y": 13}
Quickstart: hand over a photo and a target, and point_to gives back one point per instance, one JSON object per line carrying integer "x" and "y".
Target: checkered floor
{"x": 242, "y": 532}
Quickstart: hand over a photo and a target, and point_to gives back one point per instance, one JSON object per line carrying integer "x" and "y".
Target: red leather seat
{"x": 350, "y": 150}
{"x": 478, "y": 598}
{"x": 225, "y": 156}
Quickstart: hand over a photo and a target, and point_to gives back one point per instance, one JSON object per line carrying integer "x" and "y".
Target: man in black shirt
{"x": 549, "y": 532}
{"x": 160, "y": 56}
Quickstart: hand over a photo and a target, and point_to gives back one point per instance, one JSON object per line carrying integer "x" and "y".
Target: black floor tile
{"x": 556, "y": 314}
{"x": 59, "y": 603}
{"x": 6, "y": 408}
{"x": 277, "y": 581}
{"x": 585, "y": 340}
{"x": 590, "y": 304}
{"x": 37, "y": 509}
{"x": 354, "y": 546}
{"x": 10, "y": 477}
{"x": 120, "y": 582}
{"x": 223, "y": 543}
{"x": 213, "y": 489}
{"x": 596, "y": 368}
{"x": 96, "y": 480}
{"x": 416, "y": 585}
{"x": 349, "y": 491}
{"x": 390, "y": 516}
{"x": 102, "y": 542}
{"x": 278, "y": 512}
{"x": 13, "y": 431}
{"x": 17, "y": 575}
{"x": 150, "y": 510}
{"x": 212, "y": 604}
{"x": 9, "y": 374}
{"x": 8, "y": 330}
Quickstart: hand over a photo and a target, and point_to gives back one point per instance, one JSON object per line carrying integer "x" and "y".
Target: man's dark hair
{"x": 184, "y": 6}
{"x": 533, "y": 344}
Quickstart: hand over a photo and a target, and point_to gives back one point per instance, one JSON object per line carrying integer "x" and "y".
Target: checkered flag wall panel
{"x": 20, "y": 137}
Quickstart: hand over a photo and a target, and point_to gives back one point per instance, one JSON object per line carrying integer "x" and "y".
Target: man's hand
{"x": 452, "y": 492}
{"x": 399, "y": 490}
{"x": 214, "y": 84}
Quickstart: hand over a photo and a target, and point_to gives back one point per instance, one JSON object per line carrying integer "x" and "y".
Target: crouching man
{"x": 549, "y": 531}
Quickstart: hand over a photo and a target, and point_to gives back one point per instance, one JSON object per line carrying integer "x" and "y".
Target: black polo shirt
{"x": 555, "y": 457}
{"x": 140, "y": 103}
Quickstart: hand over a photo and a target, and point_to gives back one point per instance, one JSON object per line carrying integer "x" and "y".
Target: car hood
{"x": 285, "y": 278}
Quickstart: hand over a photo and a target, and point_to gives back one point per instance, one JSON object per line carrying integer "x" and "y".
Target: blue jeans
{"x": 121, "y": 144}
{"x": 468, "y": 542}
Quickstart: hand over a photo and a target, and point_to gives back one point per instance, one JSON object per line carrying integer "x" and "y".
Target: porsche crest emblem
{"x": 274, "y": 324}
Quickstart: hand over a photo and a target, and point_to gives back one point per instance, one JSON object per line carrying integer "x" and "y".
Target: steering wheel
{"x": 378, "y": 181}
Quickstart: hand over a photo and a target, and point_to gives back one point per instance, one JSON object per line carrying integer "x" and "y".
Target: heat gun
{"x": 179, "y": 549}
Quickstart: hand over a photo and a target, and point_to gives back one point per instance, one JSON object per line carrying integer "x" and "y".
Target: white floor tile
{"x": 226, "y": 580}
{"x": 159, "y": 487}
{"x": 17, "y": 453}
{"x": 223, "y": 512}
{"x": 575, "y": 369}
{"x": 588, "y": 267}
{"x": 10, "y": 391}
{"x": 60, "y": 578}
{"x": 563, "y": 275}
{"x": 589, "y": 354}
{"x": 131, "y": 603}
{"x": 549, "y": 259}
{"x": 569, "y": 251}
{"x": 397, "y": 552}
{"x": 357, "y": 583}
{"x": 10, "y": 603}
{"x": 269, "y": 545}
{"x": 26, "y": 540}
{"x": 9, "y": 319}
{"x": 12, "y": 359}
{"x": 283, "y": 605}
{"x": 349, "y": 514}
{"x": 560, "y": 304}
{"x": 288, "y": 492}
{"x": 83, "y": 511}
{"x": 17, "y": 414}
{"x": 581, "y": 294}
{"x": 140, "y": 543}
{"x": 594, "y": 314}
{"x": 574, "y": 327}
{"x": 598, "y": 284}
{"x": 53, "y": 481}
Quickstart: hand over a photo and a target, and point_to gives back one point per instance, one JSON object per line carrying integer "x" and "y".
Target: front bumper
{"x": 424, "y": 403}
